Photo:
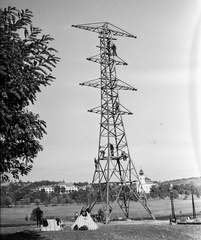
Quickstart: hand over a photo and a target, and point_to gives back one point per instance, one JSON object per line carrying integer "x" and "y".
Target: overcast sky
{"x": 163, "y": 64}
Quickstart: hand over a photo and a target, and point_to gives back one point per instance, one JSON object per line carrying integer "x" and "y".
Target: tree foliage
{"x": 26, "y": 63}
{"x": 162, "y": 190}
{"x": 23, "y": 193}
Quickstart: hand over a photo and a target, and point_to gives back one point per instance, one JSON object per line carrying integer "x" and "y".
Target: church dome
{"x": 141, "y": 172}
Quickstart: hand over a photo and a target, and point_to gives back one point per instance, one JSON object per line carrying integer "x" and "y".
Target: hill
{"x": 194, "y": 181}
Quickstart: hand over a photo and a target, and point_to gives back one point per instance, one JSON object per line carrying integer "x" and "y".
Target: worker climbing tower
{"x": 115, "y": 175}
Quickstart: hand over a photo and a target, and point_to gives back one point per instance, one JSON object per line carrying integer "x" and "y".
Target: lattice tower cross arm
{"x": 103, "y": 27}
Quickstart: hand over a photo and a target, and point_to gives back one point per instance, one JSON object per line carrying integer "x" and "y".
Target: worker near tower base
{"x": 102, "y": 153}
{"x": 112, "y": 150}
{"x": 124, "y": 156}
{"x": 96, "y": 163}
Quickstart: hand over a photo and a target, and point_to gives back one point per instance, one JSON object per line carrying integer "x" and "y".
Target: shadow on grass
{"x": 28, "y": 235}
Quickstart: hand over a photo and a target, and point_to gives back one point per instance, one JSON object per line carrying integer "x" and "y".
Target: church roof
{"x": 148, "y": 180}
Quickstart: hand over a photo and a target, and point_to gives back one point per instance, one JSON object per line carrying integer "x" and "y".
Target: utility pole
{"x": 193, "y": 203}
{"x": 173, "y": 216}
{"x": 115, "y": 174}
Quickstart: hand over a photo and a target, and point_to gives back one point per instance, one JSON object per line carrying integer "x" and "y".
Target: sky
{"x": 163, "y": 64}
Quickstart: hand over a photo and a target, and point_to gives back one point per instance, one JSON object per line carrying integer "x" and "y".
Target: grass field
{"x": 14, "y": 226}
{"x": 135, "y": 230}
{"x": 160, "y": 208}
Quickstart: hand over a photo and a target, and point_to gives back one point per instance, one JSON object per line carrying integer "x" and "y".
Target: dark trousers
{"x": 38, "y": 221}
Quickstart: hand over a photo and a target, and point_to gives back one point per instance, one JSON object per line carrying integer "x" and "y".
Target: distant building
{"x": 64, "y": 188}
{"x": 48, "y": 188}
{"x": 70, "y": 187}
{"x": 83, "y": 187}
{"x": 144, "y": 183}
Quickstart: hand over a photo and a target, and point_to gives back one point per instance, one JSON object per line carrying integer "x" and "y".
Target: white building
{"x": 145, "y": 183}
{"x": 64, "y": 188}
{"x": 69, "y": 187}
{"x": 48, "y": 188}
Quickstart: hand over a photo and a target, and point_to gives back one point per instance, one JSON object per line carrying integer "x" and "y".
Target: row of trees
{"x": 26, "y": 193}
{"x": 40, "y": 197}
{"x": 163, "y": 190}
{"x": 80, "y": 196}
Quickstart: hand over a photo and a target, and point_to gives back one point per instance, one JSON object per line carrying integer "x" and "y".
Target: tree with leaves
{"x": 6, "y": 201}
{"x": 26, "y": 62}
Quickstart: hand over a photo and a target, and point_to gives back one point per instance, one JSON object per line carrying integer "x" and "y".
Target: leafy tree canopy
{"x": 26, "y": 63}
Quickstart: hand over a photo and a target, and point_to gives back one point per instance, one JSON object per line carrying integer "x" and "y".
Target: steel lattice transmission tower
{"x": 115, "y": 173}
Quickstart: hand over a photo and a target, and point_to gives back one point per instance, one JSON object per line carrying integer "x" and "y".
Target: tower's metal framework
{"x": 115, "y": 174}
